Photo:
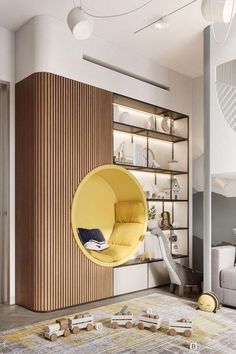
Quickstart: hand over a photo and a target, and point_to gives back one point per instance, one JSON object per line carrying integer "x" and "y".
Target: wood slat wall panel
{"x": 63, "y": 131}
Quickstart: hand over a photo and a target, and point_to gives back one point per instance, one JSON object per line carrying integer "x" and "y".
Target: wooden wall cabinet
{"x": 63, "y": 130}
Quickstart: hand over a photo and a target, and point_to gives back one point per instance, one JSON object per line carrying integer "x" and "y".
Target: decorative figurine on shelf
{"x": 155, "y": 191}
{"x": 155, "y": 164}
{"x": 145, "y": 256}
{"x": 173, "y": 165}
{"x": 165, "y": 124}
{"x": 175, "y": 188}
{"x": 164, "y": 222}
{"x": 119, "y": 153}
{"x": 147, "y": 190}
{"x": 152, "y": 212}
{"x": 150, "y": 124}
{"x": 161, "y": 195}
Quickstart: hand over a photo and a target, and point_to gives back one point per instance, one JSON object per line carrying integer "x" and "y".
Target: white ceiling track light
{"x": 80, "y": 22}
{"x": 162, "y": 22}
{"x": 219, "y": 11}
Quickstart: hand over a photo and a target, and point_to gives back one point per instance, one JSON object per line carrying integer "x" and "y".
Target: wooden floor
{"x": 16, "y": 316}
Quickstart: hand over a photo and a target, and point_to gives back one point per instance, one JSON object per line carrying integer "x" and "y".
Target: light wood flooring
{"x": 16, "y": 316}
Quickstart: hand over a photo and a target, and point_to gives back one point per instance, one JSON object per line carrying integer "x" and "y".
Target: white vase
{"x": 151, "y": 224}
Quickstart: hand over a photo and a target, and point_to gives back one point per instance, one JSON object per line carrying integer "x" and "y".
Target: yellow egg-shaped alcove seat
{"x": 110, "y": 199}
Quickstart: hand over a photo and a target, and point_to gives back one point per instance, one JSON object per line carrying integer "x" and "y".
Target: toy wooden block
{"x": 193, "y": 345}
{"x": 98, "y": 326}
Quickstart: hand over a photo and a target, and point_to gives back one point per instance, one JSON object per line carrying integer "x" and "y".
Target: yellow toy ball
{"x": 208, "y": 302}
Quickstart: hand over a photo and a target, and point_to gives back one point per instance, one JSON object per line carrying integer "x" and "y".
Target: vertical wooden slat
{"x": 63, "y": 130}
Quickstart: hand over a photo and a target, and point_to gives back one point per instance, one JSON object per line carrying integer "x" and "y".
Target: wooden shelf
{"x": 167, "y": 200}
{"x": 146, "y": 108}
{"x": 131, "y": 129}
{"x": 175, "y": 229}
{"x": 151, "y": 169}
{"x": 171, "y": 151}
{"x": 137, "y": 261}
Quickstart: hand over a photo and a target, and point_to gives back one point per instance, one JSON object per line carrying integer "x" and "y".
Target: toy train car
{"x": 151, "y": 321}
{"x": 181, "y": 326}
{"x": 122, "y": 318}
{"x": 81, "y": 322}
{"x": 60, "y": 328}
{"x": 63, "y": 326}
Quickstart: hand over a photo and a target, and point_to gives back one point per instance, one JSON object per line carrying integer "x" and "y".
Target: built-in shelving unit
{"x": 153, "y": 143}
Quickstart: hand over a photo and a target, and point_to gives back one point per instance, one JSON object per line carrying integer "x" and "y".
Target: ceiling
{"x": 179, "y": 47}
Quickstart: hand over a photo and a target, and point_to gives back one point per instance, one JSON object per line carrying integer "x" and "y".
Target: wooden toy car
{"x": 151, "y": 321}
{"x": 60, "y": 328}
{"x": 181, "y": 326}
{"x": 122, "y": 318}
{"x": 81, "y": 321}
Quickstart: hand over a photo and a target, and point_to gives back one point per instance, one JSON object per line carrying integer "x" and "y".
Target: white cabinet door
{"x": 130, "y": 278}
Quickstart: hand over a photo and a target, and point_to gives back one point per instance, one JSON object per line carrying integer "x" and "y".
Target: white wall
{"x": 7, "y": 74}
{"x": 223, "y": 138}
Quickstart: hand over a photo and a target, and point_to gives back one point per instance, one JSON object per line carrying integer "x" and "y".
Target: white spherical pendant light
{"x": 221, "y": 10}
{"x": 80, "y": 25}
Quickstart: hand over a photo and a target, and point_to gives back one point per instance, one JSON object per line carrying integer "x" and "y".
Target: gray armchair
{"x": 224, "y": 274}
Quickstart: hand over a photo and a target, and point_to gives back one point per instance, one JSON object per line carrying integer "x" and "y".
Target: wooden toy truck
{"x": 181, "y": 326}
{"x": 60, "y": 328}
{"x": 122, "y": 318}
{"x": 151, "y": 321}
{"x": 81, "y": 321}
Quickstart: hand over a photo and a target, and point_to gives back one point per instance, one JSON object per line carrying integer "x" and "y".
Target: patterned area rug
{"x": 214, "y": 333}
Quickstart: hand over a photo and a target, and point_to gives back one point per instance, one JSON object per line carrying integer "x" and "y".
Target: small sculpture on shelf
{"x": 145, "y": 256}
{"x": 175, "y": 188}
{"x": 119, "y": 153}
{"x": 164, "y": 221}
{"x": 161, "y": 195}
{"x": 150, "y": 124}
{"x": 152, "y": 212}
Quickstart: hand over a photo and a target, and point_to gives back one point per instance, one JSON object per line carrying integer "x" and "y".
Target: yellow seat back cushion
{"x": 112, "y": 254}
{"x": 130, "y": 212}
{"x": 126, "y": 234}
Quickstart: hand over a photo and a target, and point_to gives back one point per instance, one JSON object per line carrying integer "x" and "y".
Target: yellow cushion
{"x": 126, "y": 234}
{"x": 101, "y": 256}
{"x": 112, "y": 254}
{"x": 130, "y": 212}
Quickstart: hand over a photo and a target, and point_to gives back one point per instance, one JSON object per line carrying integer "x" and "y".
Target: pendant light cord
{"x": 229, "y": 27}
{"x": 113, "y": 15}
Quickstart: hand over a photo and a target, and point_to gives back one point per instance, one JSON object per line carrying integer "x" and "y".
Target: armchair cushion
{"x": 126, "y": 234}
{"x": 228, "y": 278}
